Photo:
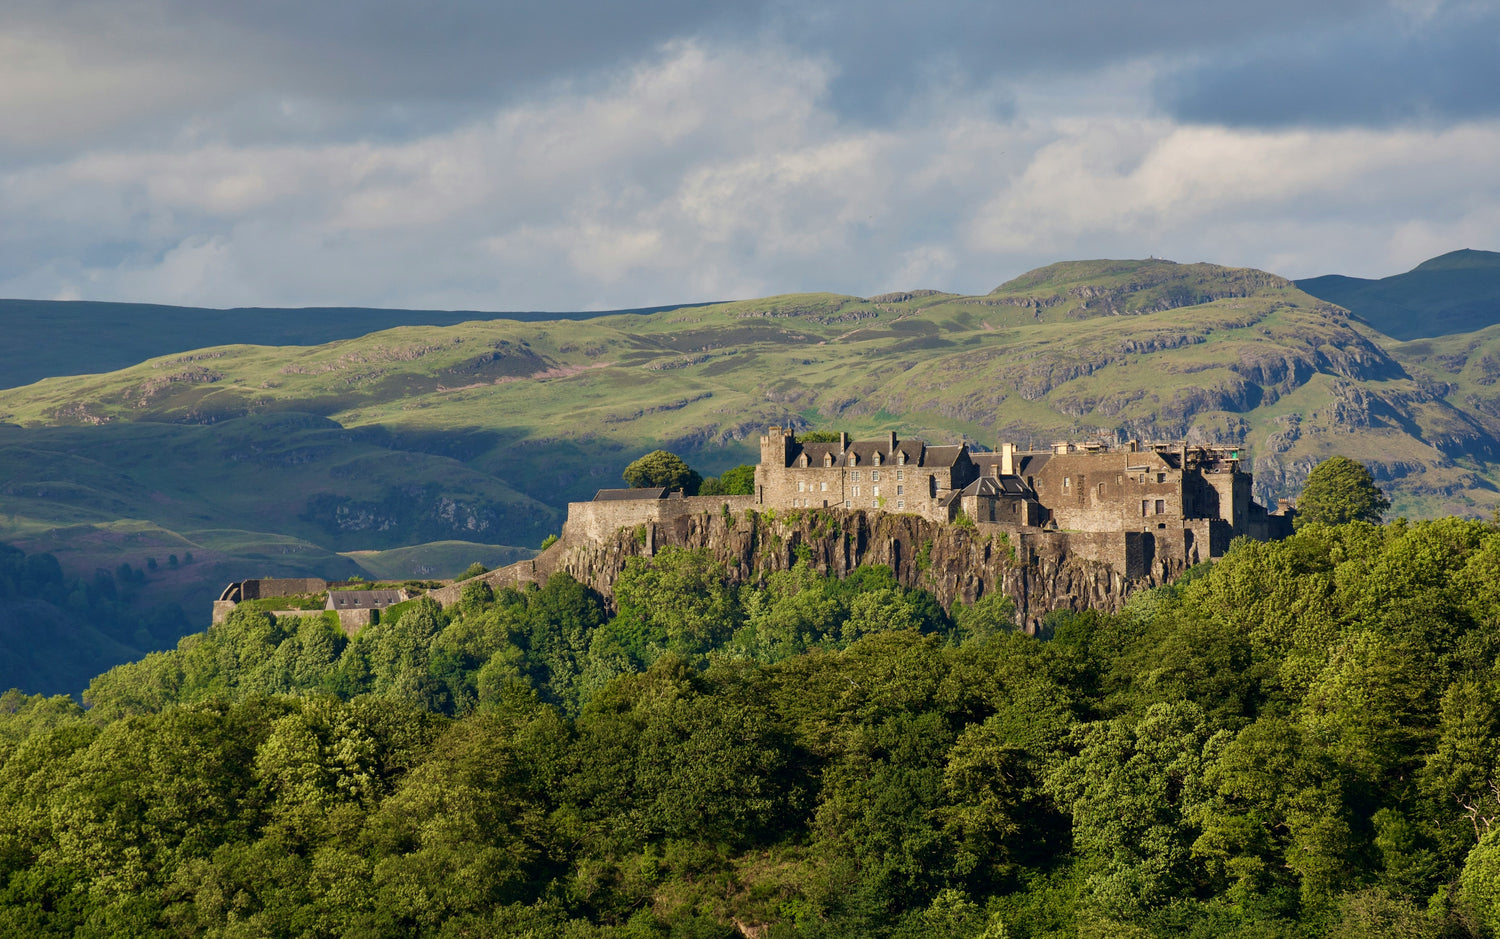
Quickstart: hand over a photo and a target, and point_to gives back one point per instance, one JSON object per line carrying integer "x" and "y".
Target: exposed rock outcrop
{"x": 957, "y": 564}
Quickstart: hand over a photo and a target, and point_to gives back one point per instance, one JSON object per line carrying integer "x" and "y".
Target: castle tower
{"x": 776, "y": 447}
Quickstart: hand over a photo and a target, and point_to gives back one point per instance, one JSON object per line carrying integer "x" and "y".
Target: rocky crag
{"x": 957, "y": 564}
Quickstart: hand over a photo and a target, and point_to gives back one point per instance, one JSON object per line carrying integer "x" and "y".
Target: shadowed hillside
{"x": 1458, "y": 292}
{"x": 65, "y": 337}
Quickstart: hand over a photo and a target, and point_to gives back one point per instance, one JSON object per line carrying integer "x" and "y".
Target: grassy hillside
{"x": 65, "y": 337}
{"x": 268, "y": 460}
{"x": 1458, "y": 292}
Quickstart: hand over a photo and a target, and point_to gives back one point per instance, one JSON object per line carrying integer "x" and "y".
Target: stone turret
{"x": 776, "y": 446}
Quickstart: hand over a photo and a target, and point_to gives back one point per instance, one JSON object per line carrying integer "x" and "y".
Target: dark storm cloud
{"x": 405, "y": 66}
{"x": 1384, "y": 69}
{"x": 890, "y": 53}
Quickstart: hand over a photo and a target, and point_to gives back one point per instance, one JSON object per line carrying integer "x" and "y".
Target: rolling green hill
{"x": 1458, "y": 292}
{"x": 76, "y": 337}
{"x": 265, "y": 460}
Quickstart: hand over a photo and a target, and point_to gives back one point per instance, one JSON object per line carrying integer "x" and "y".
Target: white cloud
{"x": 712, "y": 170}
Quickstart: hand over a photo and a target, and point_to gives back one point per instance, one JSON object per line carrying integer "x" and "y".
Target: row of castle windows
{"x": 822, "y": 486}
{"x": 1068, "y": 481}
{"x": 848, "y": 503}
{"x": 853, "y": 460}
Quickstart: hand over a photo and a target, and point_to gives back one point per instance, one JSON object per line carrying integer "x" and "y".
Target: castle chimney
{"x": 843, "y": 441}
{"x": 892, "y": 449}
{"x": 1007, "y": 459}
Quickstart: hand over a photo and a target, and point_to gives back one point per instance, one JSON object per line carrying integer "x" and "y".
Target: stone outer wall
{"x": 591, "y": 521}
{"x": 283, "y": 587}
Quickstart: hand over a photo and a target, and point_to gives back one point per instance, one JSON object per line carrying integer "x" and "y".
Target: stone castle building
{"x": 1145, "y": 510}
{"x": 1198, "y": 495}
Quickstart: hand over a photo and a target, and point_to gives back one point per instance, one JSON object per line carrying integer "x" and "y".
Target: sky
{"x": 578, "y": 154}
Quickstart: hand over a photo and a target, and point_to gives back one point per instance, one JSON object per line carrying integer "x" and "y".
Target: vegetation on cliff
{"x": 1299, "y": 741}
{"x": 1340, "y": 490}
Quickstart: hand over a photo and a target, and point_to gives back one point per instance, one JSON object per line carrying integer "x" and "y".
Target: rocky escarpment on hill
{"x": 956, "y": 564}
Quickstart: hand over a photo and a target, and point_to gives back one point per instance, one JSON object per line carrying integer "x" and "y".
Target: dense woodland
{"x": 1300, "y": 740}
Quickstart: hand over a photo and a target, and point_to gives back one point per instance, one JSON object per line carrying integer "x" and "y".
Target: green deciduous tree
{"x": 659, "y": 468}
{"x": 680, "y": 601}
{"x": 739, "y": 481}
{"x": 1340, "y": 490}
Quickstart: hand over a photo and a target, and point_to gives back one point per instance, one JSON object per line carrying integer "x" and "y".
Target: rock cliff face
{"x": 956, "y": 564}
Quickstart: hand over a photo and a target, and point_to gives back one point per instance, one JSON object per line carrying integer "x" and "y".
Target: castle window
{"x": 801, "y": 486}
{"x": 1101, "y": 490}
{"x": 824, "y": 487}
{"x": 877, "y": 459}
{"x": 1161, "y": 477}
{"x": 900, "y": 505}
{"x": 1067, "y": 483}
{"x": 900, "y": 459}
{"x": 874, "y": 476}
{"x": 856, "y": 492}
{"x": 803, "y": 460}
{"x": 1161, "y": 506}
{"x": 854, "y": 476}
{"x": 846, "y": 503}
{"x": 900, "y": 474}
{"x": 900, "y": 490}
{"x": 1145, "y": 506}
{"x": 853, "y": 459}
{"x": 828, "y": 459}
{"x": 876, "y": 490}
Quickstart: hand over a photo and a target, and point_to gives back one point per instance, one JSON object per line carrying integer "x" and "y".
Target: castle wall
{"x": 1116, "y": 490}
{"x": 592, "y": 521}
{"x": 281, "y": 587}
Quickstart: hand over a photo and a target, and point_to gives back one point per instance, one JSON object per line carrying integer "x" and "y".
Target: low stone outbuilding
{"x": 357, "y": 608}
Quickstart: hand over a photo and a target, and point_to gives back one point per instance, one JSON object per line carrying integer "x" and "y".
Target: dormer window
{"x": 804, "y": 460}
{"x": 877, "y": 459}
{"x": 828, "y": 459}
{"x": 901, "y": 458}
{"x": 853, "y": 459}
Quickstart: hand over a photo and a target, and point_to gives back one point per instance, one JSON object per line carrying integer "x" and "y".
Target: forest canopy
{"x": 1299, "y": 740}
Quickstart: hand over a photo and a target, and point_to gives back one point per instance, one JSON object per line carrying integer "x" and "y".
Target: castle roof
{"x": 997, "y": 486}
{"x": 363, "y": 599}
{"x": 942, "y": 456}
{"x": 1029, "y": 464}
{"x": 627, "y": 495}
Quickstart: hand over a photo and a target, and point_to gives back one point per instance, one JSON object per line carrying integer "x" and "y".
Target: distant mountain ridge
{"x": 1458, "y": 292}
{"x": 45, "y": 338}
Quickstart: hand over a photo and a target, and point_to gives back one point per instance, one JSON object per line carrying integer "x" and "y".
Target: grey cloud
{"x": 1386, "y": 69}
{"x": 403, "y": 67}
{"x": 892, "y": 54}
